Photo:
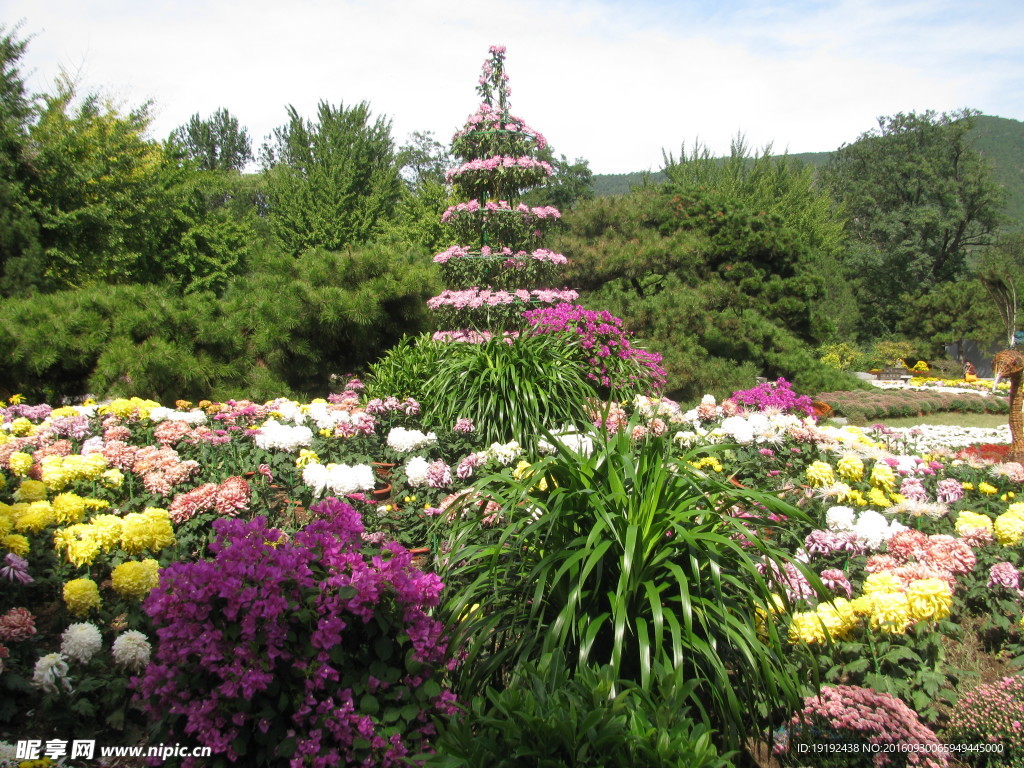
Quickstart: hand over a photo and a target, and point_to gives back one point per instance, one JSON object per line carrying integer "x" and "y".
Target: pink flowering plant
{"x": 305, "y": 650}
{"x": 604, "y": 347}
{"x": 988, "y": 724}
{"x": 852, "y": 727}
{"x": 775, "y": 394}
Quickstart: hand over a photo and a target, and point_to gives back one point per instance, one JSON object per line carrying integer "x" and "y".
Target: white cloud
{"x": 613, "y": 82}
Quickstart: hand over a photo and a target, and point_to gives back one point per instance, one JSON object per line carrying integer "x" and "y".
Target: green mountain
{"x": 999, "y": 139}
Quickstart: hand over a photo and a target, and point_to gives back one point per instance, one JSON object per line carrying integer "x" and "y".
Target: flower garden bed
{"x": 138, "y": 542}
{"x": 862, "y": 407}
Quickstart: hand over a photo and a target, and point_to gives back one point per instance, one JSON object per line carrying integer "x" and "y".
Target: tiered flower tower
{"x": 498, "y": 269}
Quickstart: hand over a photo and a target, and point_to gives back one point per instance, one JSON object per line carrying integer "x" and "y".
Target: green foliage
{"x": 331, "y": 182}
{"x": 550, "y": 717}
{"x": 284, "y": 327}
{"x": 951, "y": 313}
{"x": 841, "y": 356}
{"x": 511, "y": 390}
{"x": 403, "y": 371}
{"x": 19, "y": 231}
{"x": 999, "y": 269}
{"x": 919, "y": 197}
{"x": 626, "y": 556}
{"x": 216, "y": 143}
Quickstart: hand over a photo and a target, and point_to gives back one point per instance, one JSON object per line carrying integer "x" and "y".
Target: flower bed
{"x": 107, "y": 511}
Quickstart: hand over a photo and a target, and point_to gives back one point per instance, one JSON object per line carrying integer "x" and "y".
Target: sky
{"x": 616, "y": 82}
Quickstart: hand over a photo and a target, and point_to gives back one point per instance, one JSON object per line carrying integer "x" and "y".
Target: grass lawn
{"x": 949, "y": 419}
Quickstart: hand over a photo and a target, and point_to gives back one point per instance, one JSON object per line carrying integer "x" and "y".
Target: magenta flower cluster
{"x": 774, "y": 395}
{"x": 301, "y": 651}
{"x": 502, "y": 206}
{"x": 474, "y": 298}
{"x": 849, "y": 714}
{"x": 992, "y": 714}
{"x": 512, "y": 258}
{"x": 605, "y": 343}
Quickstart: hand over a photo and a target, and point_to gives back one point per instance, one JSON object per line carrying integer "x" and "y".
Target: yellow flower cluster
{"x": 125, "y": 408}
{"x": 58, "y": 471}
{"x": 81, "y": 596}
{"x": 850, "y": 467}
{"x": 967, "y": 521}
{"x": 523, "y": 470}
{"x": 929, "y": 599}
{"x": 112, "y": 478}
{"x": 820, "y": 474}
{"x": 883, "y": 476}
{"x": 987, "y": 489}
{"x": 82, "y": 542}
{"x": 135, "y": 578}
{"x": 882, "y": 581}
{"x": 890, "y": 612}
{"x": 20, "y": 463}
{"x": 877, "y": 497}
{"x": 150, "y": 529}
{"x": 68, "y": 508}
{"x": 306, "y": 456}
{"x": 708, "y": 462}
{"x": 22, "y": 427}
{"x": 829, "y": 621}
{"x": 1009, "y": 526}
{"x": 16, "y": 543}
{"x": 30, "y": 490}
{"x": 34, "y": 517}
{"x": 63, "y": 412}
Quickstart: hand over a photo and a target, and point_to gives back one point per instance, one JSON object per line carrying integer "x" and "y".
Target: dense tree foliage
{"x": 331, "y": 182}
{"x": 217, "y": 143}
{"x": 919, "y": 198}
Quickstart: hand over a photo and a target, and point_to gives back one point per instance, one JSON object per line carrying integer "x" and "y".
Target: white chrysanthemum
{"x": 738, "y": 429}
{"x": 339, "y": 479}
{"x": 416, "y": 471}
{"x": 685, "y": 439}
{"x": 131, "y": 649}
{"x": 575, "y": 442}
{"x": 408, "y": 440}
{"x": 50, "y": 670}
{"x": 290, "y": 411}
{"x": 274, "y": 435}
{"x": 161, "y": 413}
{"x": 81, "y": 641}
{"x": 707, "y": 400}
{"x": 504, "y": 453}
{"x": 871, "y": 529}
{"x": 840, "y": 519}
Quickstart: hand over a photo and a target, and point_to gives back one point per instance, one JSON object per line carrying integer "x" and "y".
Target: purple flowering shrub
{"x": 605, "y": 347}
{"x": 774, "y": 394}
{"x": 851, "y": 726}
{"x": 297, "y": 650}
{"x": 992, "y": 717}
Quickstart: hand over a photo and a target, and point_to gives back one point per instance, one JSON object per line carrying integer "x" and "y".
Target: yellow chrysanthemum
{"x": 135, "y": 578}
{"x": 63, "y": 412}
{"x": 967, "y": 522}
{"x": 16, "y": 543}
{"x": 890, "y": 612}
{"x": 1009, "y": 529}
{"x": 106, "y": 529}
{"x": 839, "y": 617}
{"x": 820, "y": 474}
{"x": 35, "y": 517}
{"x": 30, "y": 490}
{"x": 708, "y": 462}
{"x": 883, "y": 476}
{"x": 806, "y": 627}
{"x": 77, "y": 543}
{"x": 3, "y": 480}
{"x": 81, "y": 596}
{"x": 776, "y": 606}
{"x": 306, "y": 457}
{"x": 150, "y": 529}
{"x": 857, "y": 498}
{"x": 112, "y": 478}
{"x": 863, "y": 605}
{"x": 6, "y": 520}
{"x": 850, "y": 467}
{"x": 967, "y": 486}
{"x": 22, "y": 427}
{"x": 987, "y": 489}
{"x": 4, "y": 437}
{"x": 929, "y": 599}
{"x": 882, "y": 581}
{"x": 877, "y": 497}
{"x": 68, "y": 507}
{"x": 20, "y": 463}
{"x": 125, "y": 408}
{"x": 1017, "y": 508}
{"x": 58, "y": 471}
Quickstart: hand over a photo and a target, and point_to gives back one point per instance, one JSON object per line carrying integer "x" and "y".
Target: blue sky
{"x": 611, "y": 81}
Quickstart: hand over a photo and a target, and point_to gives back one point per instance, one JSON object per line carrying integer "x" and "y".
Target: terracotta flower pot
{"x": 382, "y": 493}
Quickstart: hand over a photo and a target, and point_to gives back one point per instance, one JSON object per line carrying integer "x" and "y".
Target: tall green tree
{"x": 19, "y": 231}
{"x": 332, "y": 182}
{"x": 1001, "y": 270}
{"x": 216, "y": 143}
{"x": 918, "y": 198}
